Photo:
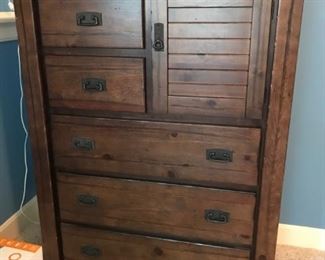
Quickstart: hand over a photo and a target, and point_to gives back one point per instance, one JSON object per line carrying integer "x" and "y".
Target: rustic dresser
{"x": 159, "y": 127}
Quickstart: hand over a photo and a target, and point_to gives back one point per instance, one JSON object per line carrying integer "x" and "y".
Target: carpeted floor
{"x": 296, "y": 253}
{"x": 32, "y": 235}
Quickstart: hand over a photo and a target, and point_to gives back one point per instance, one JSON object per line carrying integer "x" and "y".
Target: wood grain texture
{"x": 157, "y": 151}
{"x": 209, "y": 62}
{"x": 285, "y": 58}
{"x": 38, "y": 131}
{"x": 166, "y": 118}
{"x": 258, "y": 58}
{"x": 208, "y": 77}
{"x": 201, "y": 90}
{"x": 209, "y": 42}
{"x": 209, "y": 46}
{"x": 210, "y": 15}
{"x": 207, "y": 106}
{"x": 219, "y": 31}
{"x": 59, "y": 26}
{"x": 209, "y": 3}
{"x": 120, "y": 246}
{"x": 124, "y": 79}
{"x": 160, "y": 59}
{"x": 211, "y": 38}
{"x": 149, "y": 59}
{"x": 96, "y": 52}
{"x": 160, "y": 209}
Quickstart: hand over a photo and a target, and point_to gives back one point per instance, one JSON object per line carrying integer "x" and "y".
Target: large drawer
{"x": 101, "y": 83}
{"x": 170, "y": 210}
{"x": 95, "y": 23}
{"x": 182, "y": 153}
{"x": 81, "y": 243}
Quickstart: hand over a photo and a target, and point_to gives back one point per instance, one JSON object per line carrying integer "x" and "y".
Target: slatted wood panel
{"x": 121, "y": 246}
{"x": 209, "y": 62}
{"x": 218, "y": 31}
{"x": 258, "y": 58}
{"x": 197, "y": 90}
{"x": 199, "y": 15}
{"x": 210, "y": 3}
{"x": 208, "y": 77}
{"x": 207, "y": 106}
{"x": 167, "y": 210}
{"x": 209, "y": 46}
{"x": 213, "y": 45}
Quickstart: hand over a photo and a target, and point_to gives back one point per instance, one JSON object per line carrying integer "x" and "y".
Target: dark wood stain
{"x": 120, "y": 246}
{"x": 161, "y": 209}
{"x": 151, "y": 150}
{"x": 124, "y": 80}
{"x": 148, "y": 171}
{"x": 62, "y": 30}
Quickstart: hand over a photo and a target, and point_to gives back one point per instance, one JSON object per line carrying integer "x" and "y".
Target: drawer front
{"x": 102, "y": 83}
{"x": 93, "y": 23}
{"x": 186, "y": 212}
{"x": 182, "y": 153}
{"x": 84, "y": 243}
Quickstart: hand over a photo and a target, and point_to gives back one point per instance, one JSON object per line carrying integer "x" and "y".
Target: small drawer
{"x": 101, "y": 83}
{"x": 93, "y": 23}
{"x": 168, "y": 210}
{"x": 80, "y": 243}
{"x": 172, "y": 152}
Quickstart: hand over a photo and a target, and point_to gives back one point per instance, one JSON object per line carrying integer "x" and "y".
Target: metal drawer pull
{"x": 94, "y": 85}
{"x": 217, "y": 216}
{"x": 89, "y": 19}
{"x": 88, "y": 200}
{"x": 83, "y": 144}
{"x": 91, "y": 251}
{"x": 219, "y": 155}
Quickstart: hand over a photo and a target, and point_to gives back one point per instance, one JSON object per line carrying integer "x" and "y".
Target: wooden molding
{"x": 300, "y": 236}
{"x": 8, "y": 30}
{"x": 277, "y": 126}
{"x": 14, "y": 226}
{"x": 34, "y": 92}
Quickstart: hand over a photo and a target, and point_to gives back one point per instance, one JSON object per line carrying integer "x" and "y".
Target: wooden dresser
{"x": 159, "y": 127}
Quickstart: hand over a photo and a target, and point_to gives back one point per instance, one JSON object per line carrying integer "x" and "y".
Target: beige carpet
{"x": 296, "y": 253}
{"x": 32, "y": 234}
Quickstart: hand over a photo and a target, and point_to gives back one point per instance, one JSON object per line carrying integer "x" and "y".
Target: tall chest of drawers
{"x": 159, "y": 127}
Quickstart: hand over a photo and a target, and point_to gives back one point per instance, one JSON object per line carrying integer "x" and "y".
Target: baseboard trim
{"x": 8, "y": 30}
{"x": 300, "y": 236}
{"x": 13, "y": 227}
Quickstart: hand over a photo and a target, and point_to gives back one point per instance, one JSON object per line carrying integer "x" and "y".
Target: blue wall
{"x": 4, "y": 6}
{"x": 303, "y": 201}
{"x": 11, "y": 135}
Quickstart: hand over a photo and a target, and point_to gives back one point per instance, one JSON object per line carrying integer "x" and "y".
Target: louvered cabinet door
{"x": 216, "y": 57}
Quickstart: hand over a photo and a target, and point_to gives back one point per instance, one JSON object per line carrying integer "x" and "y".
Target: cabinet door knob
{"x": 158, "y": 44}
